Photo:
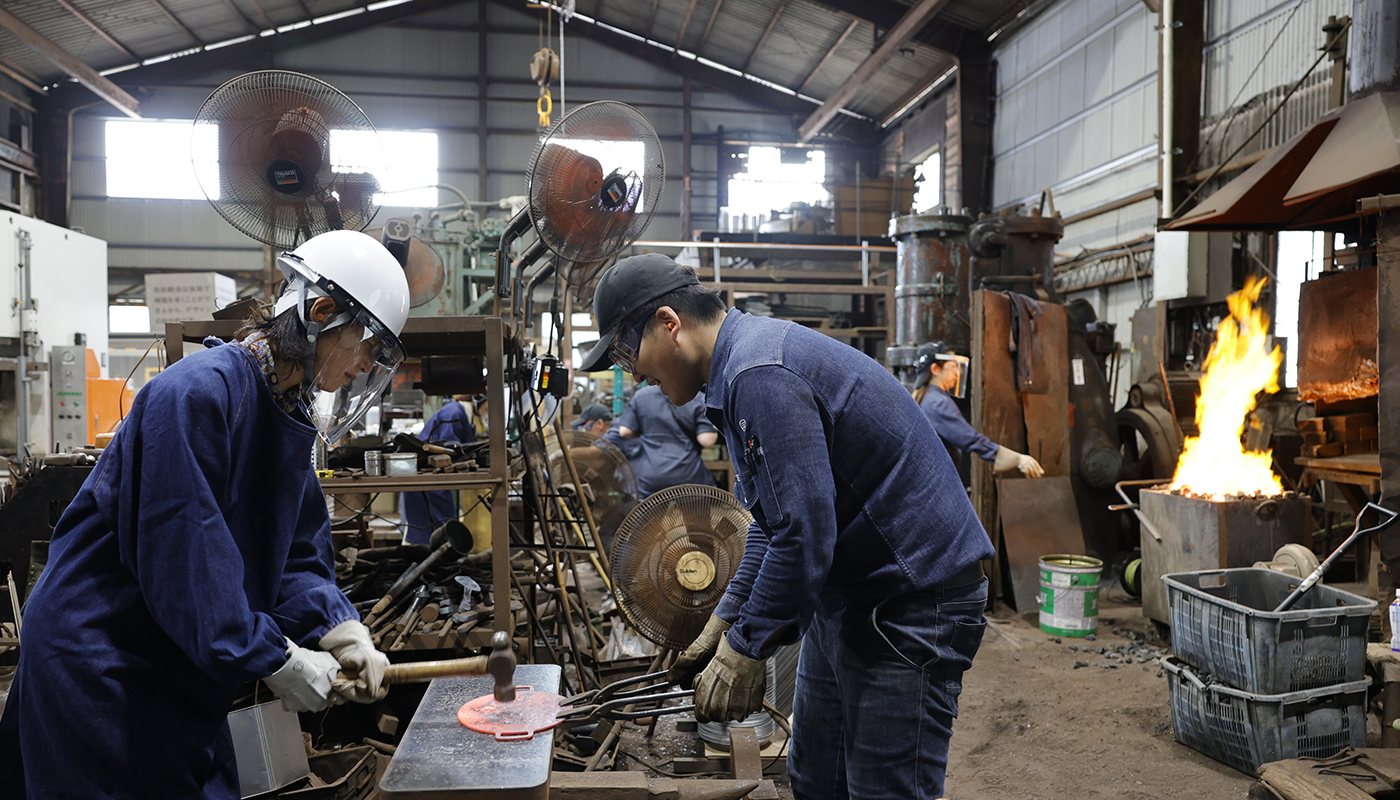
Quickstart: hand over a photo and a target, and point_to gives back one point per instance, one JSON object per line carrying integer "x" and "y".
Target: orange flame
{"x": 1215, "y": 464}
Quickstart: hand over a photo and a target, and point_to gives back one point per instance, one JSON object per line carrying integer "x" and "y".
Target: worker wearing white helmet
{"x": 197, "y": 555}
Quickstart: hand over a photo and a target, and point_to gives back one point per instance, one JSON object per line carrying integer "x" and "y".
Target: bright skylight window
{"x": 410, "y": 162}
{"x": 154, "y": 159}
{"x": 929, "y": 177}
{"x": 128, "y": 319}
{"x": 771, "y": 185}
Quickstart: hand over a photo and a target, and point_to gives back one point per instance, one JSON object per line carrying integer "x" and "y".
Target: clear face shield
{"x": 961, "y": 364}
{"x": 356, "y": 356}
{"x": 948, "y": 365}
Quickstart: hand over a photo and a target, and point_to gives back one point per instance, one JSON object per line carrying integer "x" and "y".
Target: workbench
{"x": 440, "y": 759}
{"x": 1358, "y": 479}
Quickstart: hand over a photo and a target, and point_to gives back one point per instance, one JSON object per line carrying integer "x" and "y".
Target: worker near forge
{"x": 860, "y": 542}
{"x": 595, "y": 419}
{"x": 943, "y": 375}
{"x": 424, "y": 512}
{"x": 668, "y": 438}
{"x": 197, "y": 554}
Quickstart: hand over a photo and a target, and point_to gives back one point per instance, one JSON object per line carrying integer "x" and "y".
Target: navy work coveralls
{"x": 425, "y": 512}
{"x": 862, "y": 542}
{"x": 199, "y": 542}
{"x": 668, "y": 454}
{"x": 955, "y": 431}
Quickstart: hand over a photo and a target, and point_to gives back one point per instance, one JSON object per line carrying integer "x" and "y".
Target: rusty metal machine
{"x": 932, "y": 285}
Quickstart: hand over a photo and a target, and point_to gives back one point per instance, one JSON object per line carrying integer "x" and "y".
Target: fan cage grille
{"x": 271, "y": 116}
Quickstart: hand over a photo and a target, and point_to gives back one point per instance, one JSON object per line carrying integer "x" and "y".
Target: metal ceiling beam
{"x": 71, "y": 64}
{"x": 840, "y": 40}
{"x": 91, "y": 23}
{"x": 260, "y": 50}
{"x": 167, "y": 12}
{"x": 652, "y": 21}
{"x": 705, "y": 37}
{"x": 21, "y": 76}
{"x": 949, "y": 37}
{"x": 782, "y": 6}
{"x": 266, "y": 17}
{"x": 247, "y": 20}
{"x": 685, "y": 23}
{"x": 917, "y": 15}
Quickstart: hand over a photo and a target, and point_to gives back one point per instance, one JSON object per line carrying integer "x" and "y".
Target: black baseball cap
{"x": 630, "y": 284}
{"x": 591, "y": 413}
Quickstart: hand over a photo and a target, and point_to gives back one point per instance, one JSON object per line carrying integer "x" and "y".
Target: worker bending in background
{"x": 424, "y": 512}
{"x": 943, "y": 375}
{"x": 860, "y": 543}
{"x": 197, "y": 554}
{"x": 669, "y": 439}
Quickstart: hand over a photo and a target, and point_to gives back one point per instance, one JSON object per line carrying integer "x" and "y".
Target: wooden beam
{"x": 71, "y": 64}
{"x": 176, "y": 20}
{"x": 685, "y": 23}
{"x": 652, "y": 21}
{"x": 705, "y": 37}
{"x": 766, "y": 31}
{"x": 21, "y": 76}
{"x": 840, "y": 40}
{"x": 917, "y": 15}
{"x": 91, "y": 23}
{"x": 940, "y": 34}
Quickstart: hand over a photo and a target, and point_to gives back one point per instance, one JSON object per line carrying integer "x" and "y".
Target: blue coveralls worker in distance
{"x": 941, "y": 372}
{"x": 669, "y": 439}
{"x": 861, "y": 543}
{"x": 197, "y": 554}
{"x": 424, "y": 512}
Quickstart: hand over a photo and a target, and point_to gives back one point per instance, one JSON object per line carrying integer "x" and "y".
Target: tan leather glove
{"x": 730, "y": 688}
{"x": 698, "y": 655}
{"x": 350, "y": 643}
{"x": 1007, "y": 459}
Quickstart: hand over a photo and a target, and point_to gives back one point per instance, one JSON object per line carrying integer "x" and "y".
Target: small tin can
{"x": 374, "y": 463}
{"x": 401, "y": 464}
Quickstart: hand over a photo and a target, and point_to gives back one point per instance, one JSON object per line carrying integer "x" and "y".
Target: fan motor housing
{"x": 286, "y": 176}
{"x": 695, "y": 571}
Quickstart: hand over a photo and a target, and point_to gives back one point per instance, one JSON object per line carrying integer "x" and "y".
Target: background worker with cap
{"x": 595, "y": 419}
{"x": 668, "y": 439}
{"x": 197, "y": 554}
{"x": 860, "y": 542}
{"x": 424, "y": 512}
{"x": 943, "y": 375}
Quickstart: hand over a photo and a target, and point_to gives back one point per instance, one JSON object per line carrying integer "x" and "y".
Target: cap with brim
{"x": 592, "y": 413}
{"x": 630, "y": 284}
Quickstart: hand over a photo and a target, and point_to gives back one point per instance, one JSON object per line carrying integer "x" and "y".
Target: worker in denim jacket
{"x": 861, "y": 542}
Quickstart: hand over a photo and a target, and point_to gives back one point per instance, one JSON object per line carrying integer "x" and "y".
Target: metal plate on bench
{"x": 440, "y": 759}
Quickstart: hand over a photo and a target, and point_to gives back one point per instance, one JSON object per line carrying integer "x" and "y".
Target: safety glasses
{"x": 628, "y": 346}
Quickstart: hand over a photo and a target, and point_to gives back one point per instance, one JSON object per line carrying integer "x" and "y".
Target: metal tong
{"x": 612, "y": 704}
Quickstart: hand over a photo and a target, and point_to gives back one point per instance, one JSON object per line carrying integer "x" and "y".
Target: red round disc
{"x": 531, "y": 712}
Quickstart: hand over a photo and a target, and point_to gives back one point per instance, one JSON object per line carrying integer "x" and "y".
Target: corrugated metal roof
{"x": 801, "y": 38}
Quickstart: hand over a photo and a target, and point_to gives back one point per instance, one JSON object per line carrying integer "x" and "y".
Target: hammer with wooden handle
{"x": 500, "y": 664}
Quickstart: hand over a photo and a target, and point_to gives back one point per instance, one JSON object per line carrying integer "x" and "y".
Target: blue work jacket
{"x": 850, "y": 488}
{"x": 198, "y": 542}
{"x": 955, "y": 431}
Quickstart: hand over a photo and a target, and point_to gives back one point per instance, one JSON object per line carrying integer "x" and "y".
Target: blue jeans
{"x": 877, "y": 691}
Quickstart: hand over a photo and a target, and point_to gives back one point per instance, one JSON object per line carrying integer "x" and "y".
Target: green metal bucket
{"x": 1069, "y": 594}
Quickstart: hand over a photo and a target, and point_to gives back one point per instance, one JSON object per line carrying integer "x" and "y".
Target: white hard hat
{"x": 359, "y": 265}
{"x": 371, "y": 293}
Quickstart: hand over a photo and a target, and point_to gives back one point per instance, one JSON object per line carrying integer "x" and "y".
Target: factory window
{"x": 156, "y": 159}
{"x": 928, "y": 177}
{"x": 410, "y": 163}
{"x": 775, "y": 178}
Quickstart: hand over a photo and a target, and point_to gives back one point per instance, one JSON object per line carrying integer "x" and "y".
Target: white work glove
{"x": 349, "y": 642}
{"x": 1010, "y": 459}
{"x": 304, "y": 682}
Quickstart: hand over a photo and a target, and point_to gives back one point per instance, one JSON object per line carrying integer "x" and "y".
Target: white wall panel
{"x": 1076, "y": 93}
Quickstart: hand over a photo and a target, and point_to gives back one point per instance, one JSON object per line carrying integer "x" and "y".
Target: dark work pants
{"x": 877, "y": 691}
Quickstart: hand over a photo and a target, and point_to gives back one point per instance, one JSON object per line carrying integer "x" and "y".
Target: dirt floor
{"x": 1031, "y": 725}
